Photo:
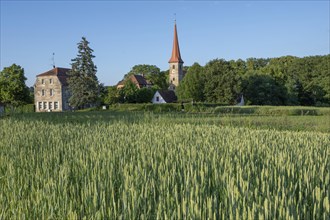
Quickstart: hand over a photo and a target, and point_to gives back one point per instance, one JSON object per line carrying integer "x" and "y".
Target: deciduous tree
{"x": 13, "y": 90}
{"x": 192, "y": 85}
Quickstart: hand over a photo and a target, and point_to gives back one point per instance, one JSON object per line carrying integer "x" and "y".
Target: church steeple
{"x": 176, "y": 56}
{"x": 176, "y": 62}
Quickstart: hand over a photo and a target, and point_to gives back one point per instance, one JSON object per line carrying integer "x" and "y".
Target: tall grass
{"x": 147, "y": 167}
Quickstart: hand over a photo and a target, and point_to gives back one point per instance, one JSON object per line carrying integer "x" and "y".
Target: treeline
{"x": 286, "y": 80}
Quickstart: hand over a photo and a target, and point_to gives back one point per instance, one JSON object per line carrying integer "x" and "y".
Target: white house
{"x": 164, "y": 96}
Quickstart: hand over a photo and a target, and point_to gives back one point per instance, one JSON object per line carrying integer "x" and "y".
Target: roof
{"x": 168, "y": 95}
{"x": 60, "y": 72}
{"x": 121, "y": 82}
{"x": 176, "y": 56}
{"x": 139, "y": 79}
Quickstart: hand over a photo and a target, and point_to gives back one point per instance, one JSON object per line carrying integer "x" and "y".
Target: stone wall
{"x": 48, "y": 94}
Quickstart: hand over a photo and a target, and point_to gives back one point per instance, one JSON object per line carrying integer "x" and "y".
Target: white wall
{"x": 154, "y": 99}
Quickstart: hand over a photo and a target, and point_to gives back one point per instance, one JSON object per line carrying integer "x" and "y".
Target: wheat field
{"x": 154, "y": 168}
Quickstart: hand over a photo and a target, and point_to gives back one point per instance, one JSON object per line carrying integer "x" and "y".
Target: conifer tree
{"x": 82, "y": 81}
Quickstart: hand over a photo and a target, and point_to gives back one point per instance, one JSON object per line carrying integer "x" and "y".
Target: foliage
{"x": 13, "y": 90}
{"x": 222, "y": 84}
{"x": 173, "y": 166}
{"x": 83, "y": 82}
{"x": 191, "y": 87}
{"x": 27, "y": 108}
{"x": 263, "y": 90}
{"x": 131, "y": 94}
{"x": 103, "y": 93}
{"x": 151, "y": 73}
{"x": 112, "y": 96}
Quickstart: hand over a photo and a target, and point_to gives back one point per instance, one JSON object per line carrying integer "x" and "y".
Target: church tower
{"x": 176, "y": 63}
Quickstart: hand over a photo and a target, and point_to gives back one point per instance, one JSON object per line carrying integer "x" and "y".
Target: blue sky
{"x": 126, "y": 33}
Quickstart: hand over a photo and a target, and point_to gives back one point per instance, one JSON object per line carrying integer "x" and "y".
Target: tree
{"x": 222, "y": 83}
{"x": 129, "y": 92}
{"x": 112, "y": 96}
{"x": 192, "y": 85}
{"x": 263, "y": 90}
{"x": 83, "y": 82}
{"x": 151, "y": 73}
{"x": 13, "y": 90}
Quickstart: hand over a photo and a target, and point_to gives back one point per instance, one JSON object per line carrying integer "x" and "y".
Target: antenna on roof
{"x": 53, "y": 58}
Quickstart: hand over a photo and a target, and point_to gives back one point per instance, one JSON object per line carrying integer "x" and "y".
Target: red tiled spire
{"x": 176, "y": 56}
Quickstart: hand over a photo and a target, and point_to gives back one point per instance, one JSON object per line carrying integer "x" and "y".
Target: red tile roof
{"x": 176, "y": 56}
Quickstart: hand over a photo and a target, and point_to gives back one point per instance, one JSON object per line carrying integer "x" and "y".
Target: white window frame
{"x": 55, "y": 105}
{"x": 43, "y": 93}
{"x": 50, "y": 105}
{"x": 44, "y": 105}
{"x": 51, "y": 92}
{"x": 50, "y": 81}
{"x": 42, "y": 81}
{"x": 39, "y": 105}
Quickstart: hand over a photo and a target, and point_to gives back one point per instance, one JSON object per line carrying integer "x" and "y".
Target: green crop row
{"x": 151, "y": 168}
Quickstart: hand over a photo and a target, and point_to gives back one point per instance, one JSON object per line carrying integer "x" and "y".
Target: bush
{"x": 28, "y": 108}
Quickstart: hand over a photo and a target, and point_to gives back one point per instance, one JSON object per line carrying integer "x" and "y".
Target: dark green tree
{"x": 253, "y": 64}
{"x": 313, "y": 77}
{"x": 263, "y": 90}
{"x": 192, "y": 85}
{"x": 145, "y": 95}
{"x": 83, "y": 82}
{"x": 222, "y": 84}
{"x": 13, "y": 90}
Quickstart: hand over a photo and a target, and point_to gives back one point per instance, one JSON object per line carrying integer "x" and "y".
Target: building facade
{"x": 51, "y": 91}
{"x": 176, "y": 63}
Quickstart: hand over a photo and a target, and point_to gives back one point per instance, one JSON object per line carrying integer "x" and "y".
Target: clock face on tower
{"x": 173, "y": 71}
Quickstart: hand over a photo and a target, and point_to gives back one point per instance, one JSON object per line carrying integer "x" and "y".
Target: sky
{"x": 127, "y": 33}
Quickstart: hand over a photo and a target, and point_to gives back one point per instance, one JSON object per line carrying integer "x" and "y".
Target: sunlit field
{"x": 135, "y": 165}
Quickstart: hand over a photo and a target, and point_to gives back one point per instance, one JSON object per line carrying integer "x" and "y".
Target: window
{"x": 55, "y": 105}
{"x": 51, "y": 92}
{"x": 173, "y": 79}
{"x": 50, "y": 105}
{"x": 43, "y": 92}
{"x": 173, "y": 67}
{"x": 157, "y": 98}
{"x": 45, "y": 105}
{"x": 39, "y": 105}
{"x": 50, "y": 81}
{"x": 42, "y": 81}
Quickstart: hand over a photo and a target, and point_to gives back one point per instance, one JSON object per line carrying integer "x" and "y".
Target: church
{"x": 175, "y": 75}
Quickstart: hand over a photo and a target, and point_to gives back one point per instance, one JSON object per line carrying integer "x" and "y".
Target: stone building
{"x": 51, "y": 91}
